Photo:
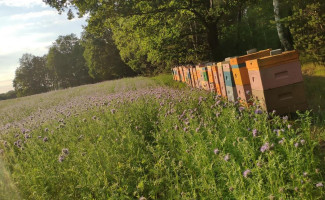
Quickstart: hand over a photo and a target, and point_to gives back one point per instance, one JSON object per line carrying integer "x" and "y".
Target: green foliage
{"x": 307, "y": 26}
{"x": 132, "y": 138}
{"x": 103, "y": 58}
{"x": 31, "y": 76}
{"x": 66, "y": 62}
{"x": 8, "y": 95}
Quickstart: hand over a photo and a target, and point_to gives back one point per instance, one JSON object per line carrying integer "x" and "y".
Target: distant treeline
{"x": 148, "y": 37}
{"x": 70, "y": 62}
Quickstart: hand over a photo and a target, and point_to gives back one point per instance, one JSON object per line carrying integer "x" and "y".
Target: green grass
{"x": 156, "y": 138}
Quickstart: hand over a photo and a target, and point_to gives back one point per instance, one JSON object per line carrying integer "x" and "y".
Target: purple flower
{"x": 217, "y": 114}
{"x": 265, "y": 147}
{"x": 45, "y": 139}
{"x": 302, "y": 142}
{"x": 185, "y": 129}
{"x": 65, "y": 151}
{"x": 197, "y": 129}
{"x": 227, "y": 157}
{"x": 61, "y": 158}
{"x": 246, "y": 173}
{"x": 94, "y": 117}
{"x": 216, "y": 151}
{"x": 281, "y": 141}
{"x": 142, "y": 198}
{"x": 258, "y": 164}
{"x": 113, "y": 111}
{"x": 305, "y": 174}
{"x": 297, "y": 145}
{"x": 176, "y": 127}
{"x": 289, "y": 126}
{"x": 46, "y": 129}
{"x": 241, "y": 108}
{"x": 258, "y": 111}
{"x": 320, "y": 184}
{"x": 254, "y": 132}
{"x": 285, "y": 118}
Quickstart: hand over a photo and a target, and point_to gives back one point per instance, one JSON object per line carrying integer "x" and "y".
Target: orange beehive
{"x": 210, "y": 77}
{"x": 275, "y": 71}
{"x": 221, "y": 80}
{"x": 277, "y": 82}
{"x": 216, "y": 79}
{"x": 238, "y": 65}
{"x": 204, "y": 79}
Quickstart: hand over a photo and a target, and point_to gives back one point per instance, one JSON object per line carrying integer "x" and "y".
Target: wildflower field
{"x": 152, "y": 138}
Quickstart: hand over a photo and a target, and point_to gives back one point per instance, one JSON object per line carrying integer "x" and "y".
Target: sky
{"x": 29, "y": 26}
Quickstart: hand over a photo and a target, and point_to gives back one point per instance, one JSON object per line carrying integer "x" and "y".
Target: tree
{"x": 103, "y": 58}
{"x": 283, "y": 32}
{"x": 32, "y": 76}
{"x": 66, "y": 62}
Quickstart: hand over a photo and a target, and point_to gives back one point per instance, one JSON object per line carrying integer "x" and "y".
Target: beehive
{"x": 227, "y": 74}
{"x": 277, "y": 82}
{"x": 275, "y": 71}
{"x": 216, "y": 79}
{"x": 211, "y": 80}
{"x": 204, "y": 78}
{"x": 199, "y": 75}
{"x": 221, "y": 80}
{"x": 283, "y": 99}
{"x": 231, "y": 93}
{"x": 244, "y": 93}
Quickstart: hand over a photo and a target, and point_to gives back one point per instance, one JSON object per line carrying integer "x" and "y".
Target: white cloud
{"x": 22, "y": 3}
{"x": 32, "y": 15}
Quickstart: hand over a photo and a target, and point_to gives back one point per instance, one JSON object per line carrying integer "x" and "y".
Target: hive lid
{"x": 270, "y": 61}
{"x": 244, "y": 58}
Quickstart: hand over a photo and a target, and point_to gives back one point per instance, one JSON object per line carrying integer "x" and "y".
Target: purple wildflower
{"x": 281, "y": 141}
{"x": 246, "y": 173}
{"x": 258, "y": 164}
{"x": 302, "y": 142}
{"x": 241, "y": 108}
{"x": 265, "y": 147}
{"x": 94, "y": 117}
{"x": 254, "y": 132}
{"x": 61, "y": 158}
{"x": 46, "y": 129}
{"x": 258, "y": 111}
{"x": 285, "y": 118}
{"x": 216, "y": 151}
{"x": 176, "y": 127}
{"x": 297, "y": 145}
{"x": 65, "y": 151}
{"x": 113, "y": 111}
{"x": 227, "y": 157}
{"x": 289, "y": 126}
{"x": 142, "y": 198}
{"x": 185, "y": 129}
{"x": 320, "y": 184}
{"x": 197, "y": 129}
{"x": 45, "y": 139}
{"x": 305, "y": 174}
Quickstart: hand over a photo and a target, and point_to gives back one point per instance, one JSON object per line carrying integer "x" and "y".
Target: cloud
{"x": 22, "y": 3}
{"x": 32, "y": 15}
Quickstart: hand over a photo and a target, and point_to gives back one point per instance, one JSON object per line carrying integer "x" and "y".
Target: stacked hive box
{"x": 199, "y": 75}
{"x": 212, "y": 84}
{"x": 192, "y": 76}
{"x": 205, "y": 78}
{"x": 277, "y": 82}
{"x": 240, "y": 73}
{"x": 229, "y": 81}
{"x": 187, "y": 73}
{"x": 221, "y": 80}
{"x": 216, "y": 79}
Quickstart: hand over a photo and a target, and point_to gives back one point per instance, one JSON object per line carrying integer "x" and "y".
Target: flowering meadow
{"x": 137, "y": 138}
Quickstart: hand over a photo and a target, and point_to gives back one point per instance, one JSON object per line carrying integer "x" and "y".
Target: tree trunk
{"x": 212, "y": 36}
{"x": 285, "y": 41}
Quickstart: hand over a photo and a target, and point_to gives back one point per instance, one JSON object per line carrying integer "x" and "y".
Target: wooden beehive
{"x": 283, "y": 99}
{"x": 274, "y": 71}
{"x": 221, "y": 80}
{"x": 231, "y": 93}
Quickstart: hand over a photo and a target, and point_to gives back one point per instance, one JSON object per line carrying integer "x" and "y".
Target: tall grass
{"x": 136, "y": 138}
